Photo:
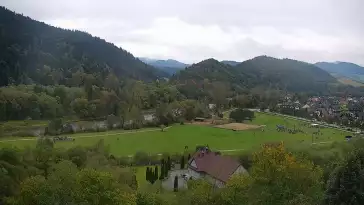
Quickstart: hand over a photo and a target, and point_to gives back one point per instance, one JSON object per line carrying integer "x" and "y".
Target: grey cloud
{"x": 336, "y": 26}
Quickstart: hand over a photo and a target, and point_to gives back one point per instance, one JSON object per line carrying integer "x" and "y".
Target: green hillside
{"x": 210, "y": 69}
{"x": 32, "y": 51}
{"x": 345, "y": 69}
{"x": 286, "y": 74}
{"x": 263, "y": 71}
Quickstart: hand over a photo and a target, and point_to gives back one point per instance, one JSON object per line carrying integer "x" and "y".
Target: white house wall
{"x": 193, "y": 164}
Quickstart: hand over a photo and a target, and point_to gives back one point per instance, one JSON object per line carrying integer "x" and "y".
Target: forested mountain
{"x": 209, "y": 79}
{"x": 169, "y": 66}
{"x": 232, "y": 63}
{"x": 286, "y": 74}
{"x": 32, "y": 51}
{"x": 349, "y": 70}
{"x": 210, "y": 69}
{"x": 263, "y": 71}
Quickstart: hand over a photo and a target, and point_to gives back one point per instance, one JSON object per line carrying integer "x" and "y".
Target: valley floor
{"x": 177, "y": 137}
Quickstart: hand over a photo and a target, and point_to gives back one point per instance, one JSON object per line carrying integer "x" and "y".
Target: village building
{"x": 213, "y": 167}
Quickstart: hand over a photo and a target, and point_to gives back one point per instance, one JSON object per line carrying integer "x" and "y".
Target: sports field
{"x": 174, "y": 139}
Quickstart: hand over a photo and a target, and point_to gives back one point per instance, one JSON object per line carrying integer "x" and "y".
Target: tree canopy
{"x": 35, "y": 52}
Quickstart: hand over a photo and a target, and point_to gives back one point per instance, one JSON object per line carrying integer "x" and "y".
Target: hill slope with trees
{"x": 286, "y": 74}
{"x": 210, "y": 69}
{"x": 169, "y": 66}
{"x": 349, "y": 70}
{"x": 34, "y": 52}
{"x": 283, "y": 74}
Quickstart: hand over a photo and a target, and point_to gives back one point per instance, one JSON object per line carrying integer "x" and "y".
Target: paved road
{"x": 88, "y": 136}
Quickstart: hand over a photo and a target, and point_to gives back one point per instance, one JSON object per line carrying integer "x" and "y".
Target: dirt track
{"x": 238, "y": 126}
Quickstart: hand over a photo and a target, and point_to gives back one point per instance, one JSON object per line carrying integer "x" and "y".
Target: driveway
{"x": 168, "y": 184}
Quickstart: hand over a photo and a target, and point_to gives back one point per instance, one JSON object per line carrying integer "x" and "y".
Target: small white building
{"x": 149, "y": 117}
{"x": 212, "y": 106}
{"x": 213, "y": 167}
{"x": 315, "y": 125}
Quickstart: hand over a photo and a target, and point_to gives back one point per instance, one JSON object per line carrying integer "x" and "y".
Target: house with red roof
{"x": 213, "y": 167}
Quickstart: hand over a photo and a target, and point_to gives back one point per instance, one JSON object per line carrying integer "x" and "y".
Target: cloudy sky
{"x": 193, "y": 30}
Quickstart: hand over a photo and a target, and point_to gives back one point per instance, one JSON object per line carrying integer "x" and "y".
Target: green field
{"x": 174, "y": 139}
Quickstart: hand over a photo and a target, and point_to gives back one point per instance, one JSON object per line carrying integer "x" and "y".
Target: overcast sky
{"x": 193, "y": 30}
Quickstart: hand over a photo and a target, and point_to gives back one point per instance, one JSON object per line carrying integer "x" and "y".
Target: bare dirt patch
{"x": 238, "y": 126}
{"x": 210, "y": 122}
{"x": 201, "y": 123}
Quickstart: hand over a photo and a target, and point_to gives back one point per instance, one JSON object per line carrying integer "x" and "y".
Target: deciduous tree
{"x": 345, "y": 185}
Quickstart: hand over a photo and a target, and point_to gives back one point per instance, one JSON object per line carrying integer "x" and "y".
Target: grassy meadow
{"x": 174, "y": 139}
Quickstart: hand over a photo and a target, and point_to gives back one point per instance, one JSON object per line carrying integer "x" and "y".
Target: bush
{"x": 239, "y": 115}
{"x": 124, "y": 161}
{"x": 162, "y": 127}
{"x": 101, "y": 129}
{"x": 150, "y": 124}
{"x": 141, "y": 158}
{"x": 54, "y": 127}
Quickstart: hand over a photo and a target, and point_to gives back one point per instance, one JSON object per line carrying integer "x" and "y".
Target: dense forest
{"x": 283, "y": 74}
{"x": 33, "y": 52}
{"x": 263, "y": 71}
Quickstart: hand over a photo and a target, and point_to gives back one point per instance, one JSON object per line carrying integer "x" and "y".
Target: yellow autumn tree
{"x": 276, "y": 177}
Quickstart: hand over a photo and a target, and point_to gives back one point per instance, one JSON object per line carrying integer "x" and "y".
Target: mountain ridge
{"x": 260, "y": 71}
{"x": 230, "y": 62}
{"x": 169, "y": 66}
{"x": 346, "y": 69}
{"x": 33, "y": 49}
{"x": 283, "y": 73}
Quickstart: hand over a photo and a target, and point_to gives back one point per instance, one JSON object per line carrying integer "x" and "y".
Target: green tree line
{"x": 91, "y": 175}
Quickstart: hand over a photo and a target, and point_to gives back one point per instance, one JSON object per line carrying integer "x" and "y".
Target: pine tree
{"x": 151, "y": 175}
{"x": 169, "y": 164}
{"x": 182, "y": 162}
{"x": 161, "y": 177}
{"x": 156, "y": 174}
{"x": 175, "y": 188}
{"x": 147, "y": 174}
{"x": 166, "y": 170}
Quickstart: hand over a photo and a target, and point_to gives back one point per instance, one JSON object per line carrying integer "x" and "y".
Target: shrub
{"x": 239, "y": 115}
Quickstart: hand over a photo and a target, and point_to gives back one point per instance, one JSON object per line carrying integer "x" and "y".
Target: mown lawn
{"x": 174, "y": 139}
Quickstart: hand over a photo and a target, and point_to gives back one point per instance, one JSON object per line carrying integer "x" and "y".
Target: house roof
{"x": 213, "y": 164}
